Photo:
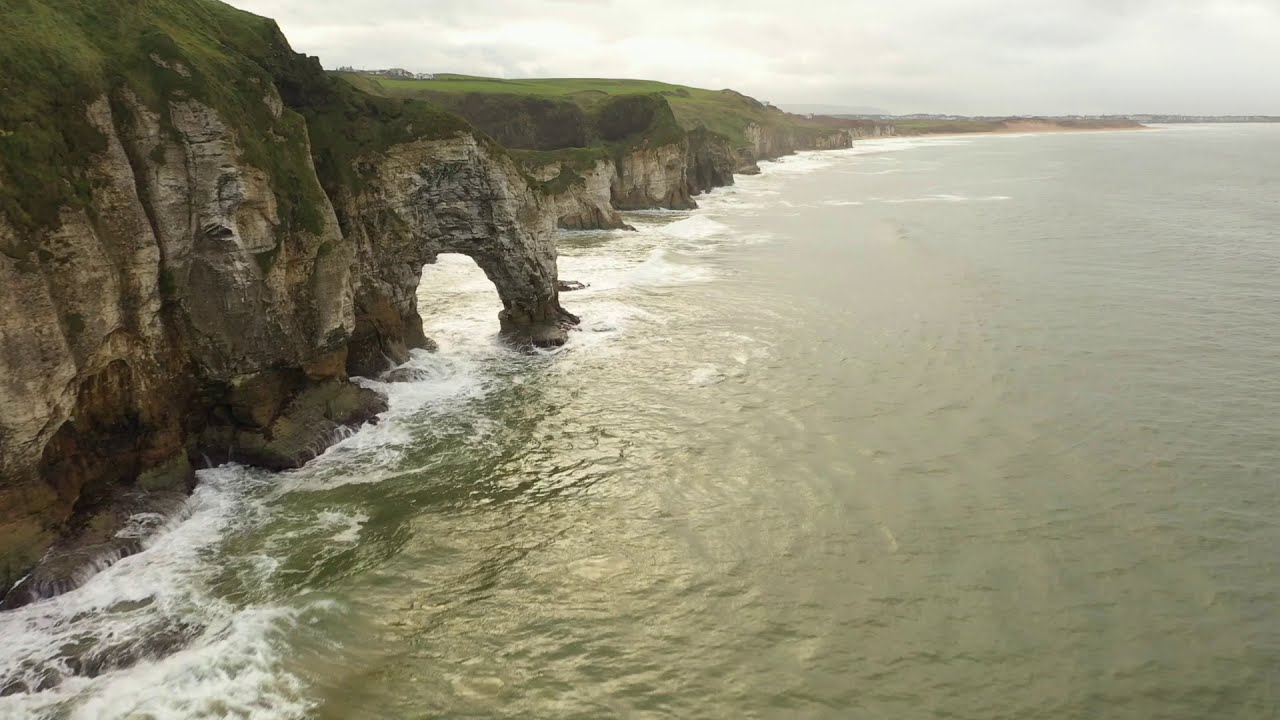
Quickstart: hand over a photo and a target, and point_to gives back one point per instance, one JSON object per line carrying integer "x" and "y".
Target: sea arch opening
{"x": 457, "y": 300}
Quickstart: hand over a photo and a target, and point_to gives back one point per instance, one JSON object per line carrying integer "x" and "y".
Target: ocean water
{"x": 980, "y": 427}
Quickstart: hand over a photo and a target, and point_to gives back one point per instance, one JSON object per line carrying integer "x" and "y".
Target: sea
{"x": 954, "y": 427}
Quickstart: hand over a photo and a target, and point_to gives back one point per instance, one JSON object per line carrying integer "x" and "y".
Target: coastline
{"x": 1022, "y": 131}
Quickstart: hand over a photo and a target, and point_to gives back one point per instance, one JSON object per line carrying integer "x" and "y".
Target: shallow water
{"x": 956, "y": 427}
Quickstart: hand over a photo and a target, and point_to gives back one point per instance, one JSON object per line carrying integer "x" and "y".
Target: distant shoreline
{"x": 1021, "y": 128}
{"x": 1035, "y": 126}
{"x": 915, "y": 127}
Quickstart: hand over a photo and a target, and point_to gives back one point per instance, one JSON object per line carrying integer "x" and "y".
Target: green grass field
{"x": 724, "y": 111}
{"x": 58, "y": 56}
{"x": 548, "y": 87}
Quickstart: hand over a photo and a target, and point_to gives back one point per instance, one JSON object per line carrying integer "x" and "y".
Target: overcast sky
{"x": 956, "y": 56}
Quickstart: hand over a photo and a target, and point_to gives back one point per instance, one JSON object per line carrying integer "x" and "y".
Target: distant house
{"x": 399, "y": 73}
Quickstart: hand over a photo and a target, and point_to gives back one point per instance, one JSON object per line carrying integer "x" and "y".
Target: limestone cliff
{"x": 772, "y": 141}
{"x": 585, "y": 196}
{"x": 211, "y": 240}
{"x": 448, "y": 196}
{"x": 170, "y": 306}
{"x": 642, "y": 125}
{"x": 711, "y": 161}
{"x": 581, "y": 197}
{"x": 619, "y": 152}
{"x": 653, "y": 176}
{"x": 875, "y": 130}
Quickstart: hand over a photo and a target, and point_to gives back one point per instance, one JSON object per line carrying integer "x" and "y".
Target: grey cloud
{"x": 964, "y": 56}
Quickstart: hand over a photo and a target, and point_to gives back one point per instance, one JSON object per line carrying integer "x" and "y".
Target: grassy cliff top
{"x": 724, "y": 111}
{"x": 58, "y": 56}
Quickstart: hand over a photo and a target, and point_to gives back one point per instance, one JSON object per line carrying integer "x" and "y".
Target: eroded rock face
{"x": 643, "y": 178}
{"x": 770, "y": 143}
{"x": 653, "y": 177}
{"x": 444, "y": 196}
{"x": 126, "y": 329}
{"x": 180, "y": 316}
{"x": 585, "y": 201}
{"x": 873, "y": 131}
{"x": 711, "y": 161}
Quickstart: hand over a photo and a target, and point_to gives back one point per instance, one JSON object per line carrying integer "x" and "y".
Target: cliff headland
{"x": 204, "y": 236}
{"x": 598, "y": 146}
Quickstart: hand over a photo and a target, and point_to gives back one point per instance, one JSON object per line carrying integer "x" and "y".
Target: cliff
{"x": 580, "y": 193}
{"x": 711, "y": 161}
{"x": 654, "y": 145}
{"x": 202, "y": 237}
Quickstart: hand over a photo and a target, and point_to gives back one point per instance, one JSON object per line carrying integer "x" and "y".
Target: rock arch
{"x": 461, "y": 196}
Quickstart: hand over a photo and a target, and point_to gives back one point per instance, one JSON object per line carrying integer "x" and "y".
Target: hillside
{"x": 60, "y": 56}
{"x": 494, "y": 105}
{"x": 596, "y": 146}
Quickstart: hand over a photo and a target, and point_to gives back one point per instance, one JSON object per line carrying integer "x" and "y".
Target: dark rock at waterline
{"x": 313, "y": 418}
{"x": 548, "y": 328}
{"x": 158, "y": 643}
{"x": 118, "y": 526}
{"x": 711, "y": 161}
{"x": 92, "y": 657}
{"x": 571, "y": 285}
{"x": 593, "y": 217}
{"x": 409, "y": 374}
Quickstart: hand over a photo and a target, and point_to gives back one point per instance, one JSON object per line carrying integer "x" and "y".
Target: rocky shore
{"x": 204, "y": 238}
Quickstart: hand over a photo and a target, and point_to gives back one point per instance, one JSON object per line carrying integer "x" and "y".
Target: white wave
{"x": 441, "y": 380}
{"x": 659, "y": 270}
{"x": 655, "y": 268}
{"x": 657, "y": 213}
{"x": 604, "y": 321}
{"x": 898, "y": 144}
{"x": 347, "y": 525}
{"x": 235, "y": 672}
{"x": 262, "y": 566}
{"x": 890, "y": 171}
{"x": 563, "y": 234}
{"x": 227, "y": 657}
{"x": 941, "y": 197}
{"x": 799, "y": 164}
{"x": 731, "y": 200}
{"x": 698, "y": 227}
{"x": 705, "y": 375}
